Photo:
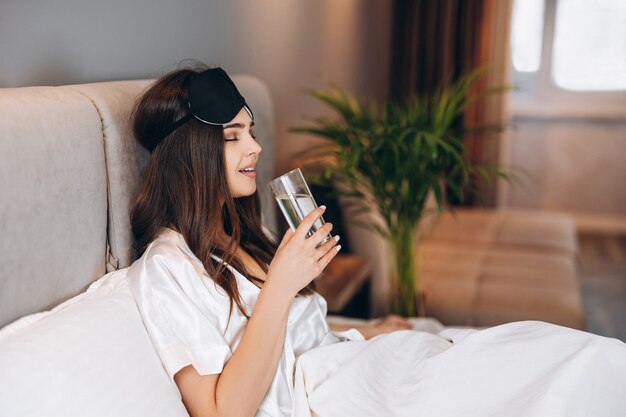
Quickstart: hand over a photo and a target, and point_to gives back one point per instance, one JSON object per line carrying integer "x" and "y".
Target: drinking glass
{"x": 295, "y": 200}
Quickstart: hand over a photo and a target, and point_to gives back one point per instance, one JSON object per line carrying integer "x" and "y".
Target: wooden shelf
{"x": 341, "y": 279}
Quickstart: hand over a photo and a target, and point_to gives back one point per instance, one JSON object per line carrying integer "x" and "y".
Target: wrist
{"x": 280, "y": 294}
{"x": 367, "y": 331}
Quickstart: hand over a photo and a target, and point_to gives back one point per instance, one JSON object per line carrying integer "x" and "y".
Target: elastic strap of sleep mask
{"x": 213, "y": 99}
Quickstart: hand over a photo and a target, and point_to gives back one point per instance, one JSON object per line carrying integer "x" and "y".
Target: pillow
{"x": 89, "y": 356}
{"x": 107, "y": 283}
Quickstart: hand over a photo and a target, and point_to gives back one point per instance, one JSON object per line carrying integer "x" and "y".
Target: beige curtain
{"x": 493, "y": 53}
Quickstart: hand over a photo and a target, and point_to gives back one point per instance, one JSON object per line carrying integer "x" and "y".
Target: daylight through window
{"x": 589, "y": 51}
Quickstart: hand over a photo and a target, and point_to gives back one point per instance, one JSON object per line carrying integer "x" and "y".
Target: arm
{"x": 387, "y": 324}
{"x": 241, "y": 386}
{"x": 244, "y": 381}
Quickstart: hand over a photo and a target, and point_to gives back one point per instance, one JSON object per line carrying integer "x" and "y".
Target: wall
{"x": 571, "y": 165}
{"x": 291, "y": 45}
{"x": 570, "y": 145}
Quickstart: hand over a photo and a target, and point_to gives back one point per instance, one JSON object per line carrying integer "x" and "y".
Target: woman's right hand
{"x": 297, "y": 260}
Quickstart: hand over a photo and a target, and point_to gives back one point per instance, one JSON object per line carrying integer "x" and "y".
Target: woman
{"x": 227, "y": 309}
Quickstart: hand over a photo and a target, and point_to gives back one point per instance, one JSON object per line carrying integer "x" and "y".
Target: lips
{"x": 249, "y": 171}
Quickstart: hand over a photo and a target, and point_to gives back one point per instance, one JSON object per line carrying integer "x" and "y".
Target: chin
{"x": 245, "y": 193}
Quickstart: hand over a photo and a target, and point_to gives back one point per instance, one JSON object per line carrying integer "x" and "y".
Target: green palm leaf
{"x": 399, "y": 152}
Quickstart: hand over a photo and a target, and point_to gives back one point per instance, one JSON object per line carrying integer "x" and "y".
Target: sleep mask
{"x": 213, "y": 99}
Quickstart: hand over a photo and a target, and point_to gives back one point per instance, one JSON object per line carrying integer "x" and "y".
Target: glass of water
{"x": 295, "y": 200}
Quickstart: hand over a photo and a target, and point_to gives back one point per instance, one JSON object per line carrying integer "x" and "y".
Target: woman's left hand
{"x": 391, "y": 323}
{"x": 387, "y": 324}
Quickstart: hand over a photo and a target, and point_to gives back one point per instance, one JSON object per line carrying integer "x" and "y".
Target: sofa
{"x": 482, "y": 267}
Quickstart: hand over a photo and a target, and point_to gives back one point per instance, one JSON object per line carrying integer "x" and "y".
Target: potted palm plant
{"x": 388, "y": 159}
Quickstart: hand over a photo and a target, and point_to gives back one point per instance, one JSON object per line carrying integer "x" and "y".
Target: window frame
{"x": 536, "y": 94}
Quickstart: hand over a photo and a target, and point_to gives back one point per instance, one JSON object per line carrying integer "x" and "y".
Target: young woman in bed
{"x": 227, "y": 309}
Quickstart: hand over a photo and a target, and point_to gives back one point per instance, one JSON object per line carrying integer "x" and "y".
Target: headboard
{"x": 69, "y": 173}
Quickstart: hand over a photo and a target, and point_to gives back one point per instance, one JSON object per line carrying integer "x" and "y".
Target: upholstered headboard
{"x": 69, "y": 173}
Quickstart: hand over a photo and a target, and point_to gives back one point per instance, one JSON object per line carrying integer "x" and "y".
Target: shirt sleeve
{"x": 182, "y": 320}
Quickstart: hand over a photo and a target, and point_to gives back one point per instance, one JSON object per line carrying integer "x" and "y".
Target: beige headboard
{"x": 69, "y": 173}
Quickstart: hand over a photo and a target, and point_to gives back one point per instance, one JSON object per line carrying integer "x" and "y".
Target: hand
{"x": 387, "y": 324}
{"x": 297, "y": 261}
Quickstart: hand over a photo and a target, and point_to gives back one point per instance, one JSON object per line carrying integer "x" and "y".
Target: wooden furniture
{"x": 341, "y": 279}
{"x": 486, "y": 267}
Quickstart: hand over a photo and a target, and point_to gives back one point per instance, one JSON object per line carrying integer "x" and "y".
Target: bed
{"x": 72, "y": 341}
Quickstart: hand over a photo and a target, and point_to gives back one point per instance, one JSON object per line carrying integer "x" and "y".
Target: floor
{"x": 602, "y": 273}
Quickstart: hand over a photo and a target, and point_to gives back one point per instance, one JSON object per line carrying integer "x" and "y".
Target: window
{"x": 587, "y": 39}
{"x": 527, "y": 34}
{"x": 589, "y": 51}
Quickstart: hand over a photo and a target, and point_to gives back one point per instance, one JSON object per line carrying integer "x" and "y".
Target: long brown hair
{"x": 183, "y": 182}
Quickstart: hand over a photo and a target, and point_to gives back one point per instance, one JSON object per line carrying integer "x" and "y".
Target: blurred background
{"x": 565, "y": 118}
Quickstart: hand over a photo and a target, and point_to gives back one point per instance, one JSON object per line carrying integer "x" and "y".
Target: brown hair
{"x": 183, "y": 182}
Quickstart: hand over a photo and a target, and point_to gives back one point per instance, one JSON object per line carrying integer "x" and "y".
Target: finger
{"x": 308, "y": 221}
{"x": 323, "y": 249}
{"x": 398, "y": 324}
{"x": 401, "y": 320}
{"x": 286, "y": 238}
{"x": 321, "y": 234}
{"x": 324, "y": 260}
{"x": 398, "y": 319}
{"x": 403, "y": 325}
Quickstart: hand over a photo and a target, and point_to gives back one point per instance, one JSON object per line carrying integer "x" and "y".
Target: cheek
{"x": 230, "y": 160}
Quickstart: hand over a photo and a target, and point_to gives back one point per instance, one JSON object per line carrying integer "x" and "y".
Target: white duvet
{"x": 517, "y": 369}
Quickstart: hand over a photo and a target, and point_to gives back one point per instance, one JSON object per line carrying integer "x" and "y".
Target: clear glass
{"x": 590, "y": 45}
{"x": 527, "y": 34}
{"x": 295, "y": 200}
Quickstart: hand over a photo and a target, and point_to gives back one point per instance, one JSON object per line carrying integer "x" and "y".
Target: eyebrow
{"x": 237, "y": 126}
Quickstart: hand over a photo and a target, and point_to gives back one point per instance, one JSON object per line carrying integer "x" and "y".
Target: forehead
{"x": 241, "y": 120}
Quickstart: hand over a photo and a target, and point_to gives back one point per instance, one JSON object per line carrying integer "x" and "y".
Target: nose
{"x": 255, "y": 148}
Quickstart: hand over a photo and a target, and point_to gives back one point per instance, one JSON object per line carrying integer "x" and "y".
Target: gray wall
{"x": 290, "y": 44}
{"x": 573, "y": 165}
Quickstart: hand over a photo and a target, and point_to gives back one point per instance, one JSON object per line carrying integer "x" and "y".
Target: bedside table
{"x": 341, "y": 279}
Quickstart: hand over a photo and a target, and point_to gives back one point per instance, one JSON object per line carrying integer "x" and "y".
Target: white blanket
{"x": 517, "y": 369}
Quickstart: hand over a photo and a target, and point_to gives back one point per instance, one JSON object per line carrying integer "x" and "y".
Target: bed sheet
{"x": 517, "y": 369}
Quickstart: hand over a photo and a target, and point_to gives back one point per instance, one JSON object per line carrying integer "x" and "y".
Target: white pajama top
{"x": 185, "y": 313}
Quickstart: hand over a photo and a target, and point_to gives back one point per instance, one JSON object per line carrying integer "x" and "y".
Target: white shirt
{"x": 186, "y": 314}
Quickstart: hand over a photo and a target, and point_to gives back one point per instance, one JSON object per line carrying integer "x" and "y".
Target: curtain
{"x": 435, "y": 41}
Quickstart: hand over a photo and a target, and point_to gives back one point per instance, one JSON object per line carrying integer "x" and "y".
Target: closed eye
{"x": 236, "y": 139}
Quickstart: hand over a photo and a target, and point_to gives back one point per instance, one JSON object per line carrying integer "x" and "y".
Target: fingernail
{"x": 338, "y": 247}
{"x": 323, "y": 207}
{"x": 337, "y": 238}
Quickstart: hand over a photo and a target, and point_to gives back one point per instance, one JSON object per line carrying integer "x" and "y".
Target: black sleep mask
{"x": 213, "y": 99}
